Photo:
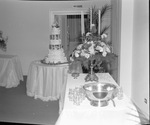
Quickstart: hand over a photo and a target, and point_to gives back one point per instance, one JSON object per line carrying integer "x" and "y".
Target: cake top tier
{"x": 55, "y": 29}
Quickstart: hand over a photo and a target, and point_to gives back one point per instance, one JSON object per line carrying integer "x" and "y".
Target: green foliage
{"x": 106, "y": 8}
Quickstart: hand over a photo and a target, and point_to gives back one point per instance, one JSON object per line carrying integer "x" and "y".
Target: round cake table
{"x": 45, "y": 81}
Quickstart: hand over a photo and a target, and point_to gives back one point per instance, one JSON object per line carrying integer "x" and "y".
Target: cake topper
{"x": 55, "y": 25}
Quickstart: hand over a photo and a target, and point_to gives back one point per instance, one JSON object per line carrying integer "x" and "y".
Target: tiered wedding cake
{"x": 56, "y": 53}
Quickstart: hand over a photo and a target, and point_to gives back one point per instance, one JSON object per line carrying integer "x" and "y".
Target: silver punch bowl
{"x": 100, "y": 93}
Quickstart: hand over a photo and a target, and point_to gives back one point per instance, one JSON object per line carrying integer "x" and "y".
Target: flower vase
{"x": 91, "y": 76}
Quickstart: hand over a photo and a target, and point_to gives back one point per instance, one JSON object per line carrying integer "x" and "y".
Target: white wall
{"x": 126, "y": 45}
{"x": 27, "y": 28}
{"x": 134, "y": 62}
{"x": 26, "y": 23}
{"x": 140, "y": 65}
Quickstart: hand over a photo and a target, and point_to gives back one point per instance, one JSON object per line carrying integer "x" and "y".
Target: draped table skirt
{"x": 10, "y": 71}
{"x": 45, "y": 81}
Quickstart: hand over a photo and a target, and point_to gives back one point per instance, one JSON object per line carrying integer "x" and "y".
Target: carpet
{"x": 16, "y": 107}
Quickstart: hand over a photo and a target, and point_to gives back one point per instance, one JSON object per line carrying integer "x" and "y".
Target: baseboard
{"x": 10, "y": 123}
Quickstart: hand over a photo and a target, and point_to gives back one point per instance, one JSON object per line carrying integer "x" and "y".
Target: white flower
{"x": 99, "y": 48}
{"x": 76, "y": 53}
{"x": 83, "y": 52}
{"x": 79, "y": 46}
{"x": 108, "y": 49}
{"x": 87, "y": 55}
{"x": 85, "y": 41}
{"x": 104, "y": 36}
{"x": 102, "y": 44}
{"x": 88, "y": 42}
{"x": 88, "y": 34}
{"x": 92, "y": 42}
{"x": 91, "y": 48}
{"x": 104, "y": 53}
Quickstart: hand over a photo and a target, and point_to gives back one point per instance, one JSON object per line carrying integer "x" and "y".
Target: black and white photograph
{"x": 74, "y": 62}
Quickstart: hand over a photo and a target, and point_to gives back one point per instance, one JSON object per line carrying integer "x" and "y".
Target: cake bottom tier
{"x": 56, "y": 56}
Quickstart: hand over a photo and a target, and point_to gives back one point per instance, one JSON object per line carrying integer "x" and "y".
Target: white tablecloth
{"x": 124, "y": 113}
{"x": 10, "y": 71}
{"x": 46, "y": 81}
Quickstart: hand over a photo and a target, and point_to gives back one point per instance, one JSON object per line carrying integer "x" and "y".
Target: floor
{"x": 17, "y": 107}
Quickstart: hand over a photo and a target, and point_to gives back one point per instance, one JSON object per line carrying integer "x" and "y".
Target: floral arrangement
{"x": 94, "y": 48}
{"x": 3, "y": 42}
{"x": 91, "y": 47}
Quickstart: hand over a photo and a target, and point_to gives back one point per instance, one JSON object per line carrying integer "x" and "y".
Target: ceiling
{"x": 54, "y": 0}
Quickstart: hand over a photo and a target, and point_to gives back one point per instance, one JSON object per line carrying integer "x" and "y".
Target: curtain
{"x": 74, "y": 31}
{"x": 70, "y": 26}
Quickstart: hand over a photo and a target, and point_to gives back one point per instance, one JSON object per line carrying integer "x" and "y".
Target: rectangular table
{"x": 71, "y": 113}
{"x": 45, "y": 81}
{"x": 10, "y": 71}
